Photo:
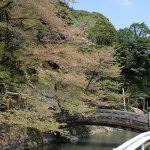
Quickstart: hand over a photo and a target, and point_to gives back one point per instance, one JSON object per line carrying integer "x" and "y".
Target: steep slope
{"x": 48, "y": 64}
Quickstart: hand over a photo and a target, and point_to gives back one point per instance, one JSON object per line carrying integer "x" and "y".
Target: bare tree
{"x": 101, "y": 60}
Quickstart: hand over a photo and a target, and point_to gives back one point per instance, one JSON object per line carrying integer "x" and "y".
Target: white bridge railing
{"x": 136, "y": 142}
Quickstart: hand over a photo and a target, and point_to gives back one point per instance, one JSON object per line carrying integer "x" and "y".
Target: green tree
{"x": 133, "y": 54}
{"x": 102, "y": 34}
{"x": 140, "y": 30}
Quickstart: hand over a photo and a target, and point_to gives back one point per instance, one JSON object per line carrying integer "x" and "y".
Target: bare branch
{"x": 6, "y": 5}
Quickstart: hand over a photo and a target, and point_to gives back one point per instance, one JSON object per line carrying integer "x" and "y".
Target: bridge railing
{"x": 122, "y": 114}
{"x": 135, "y": 142}
{"x": 122, "y": 118}
{"x": 114, "y": 118}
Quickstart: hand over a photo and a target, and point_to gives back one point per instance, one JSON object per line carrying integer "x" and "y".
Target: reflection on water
{"x": 102, "y": 141}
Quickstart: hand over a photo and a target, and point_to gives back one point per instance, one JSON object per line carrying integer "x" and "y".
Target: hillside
{"x": 50, "y": 62}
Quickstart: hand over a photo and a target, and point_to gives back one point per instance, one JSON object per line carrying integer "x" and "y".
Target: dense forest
{"x": 54, "y": 58}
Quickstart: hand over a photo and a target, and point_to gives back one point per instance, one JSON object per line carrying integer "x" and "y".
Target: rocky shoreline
{"x": 19, "y": 138}
{"x": 14, "y": 137}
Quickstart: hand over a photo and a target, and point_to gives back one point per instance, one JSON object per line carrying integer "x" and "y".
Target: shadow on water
{"x": 101, "y": 141}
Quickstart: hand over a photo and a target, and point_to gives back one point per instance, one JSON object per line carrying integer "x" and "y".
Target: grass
{"x": 41, "y": 120}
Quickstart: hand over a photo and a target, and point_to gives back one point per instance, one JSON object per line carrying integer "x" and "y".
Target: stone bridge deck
{"x": 114, "y": 118}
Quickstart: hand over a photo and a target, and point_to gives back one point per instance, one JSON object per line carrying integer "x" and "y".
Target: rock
{"x": 28, "y": 144}
{"x": 52, "y": 103}
{"x": 31, "y": 71}
{"x": 48, "y": 138}
{"x": 51, "y": 65}
{"x": 73, "y": 139}
{"x": 12, "y": 137}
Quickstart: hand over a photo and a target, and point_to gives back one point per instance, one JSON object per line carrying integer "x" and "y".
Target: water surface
{"x": 101, "y": 141}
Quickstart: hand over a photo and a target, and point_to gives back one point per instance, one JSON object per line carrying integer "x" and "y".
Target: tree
{"x": 94, "y": 72}
{"x": 140, "y": 30}
{"x": 103, "y": 34}
{"x": 133, "y": 54}
{"x": 11, "y": 39}
{"x": 133, "y": 51}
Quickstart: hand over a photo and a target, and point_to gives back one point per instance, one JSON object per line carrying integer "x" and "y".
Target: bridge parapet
{"x": 117, "y": 114}
{"x": 115, "y": 118}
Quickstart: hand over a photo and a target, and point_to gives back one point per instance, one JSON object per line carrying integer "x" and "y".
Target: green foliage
{"x": 86, "y": 20}
{"x": 98, "y": 27}
{"x": 64, "y": 12}
{"x": 102, "y": 34}
{"x": 2, "y": 45}
{"x": 11, "y": 72}
{"x": 85, "y": 50}
{"x": 104, "y": 83}
{"x": 5, "y": 75}
{"x": 33, "y": 133}
{"x": 140, "y": 30}
{"x": 2, "y": 102}
{"x": 133, "y": 54}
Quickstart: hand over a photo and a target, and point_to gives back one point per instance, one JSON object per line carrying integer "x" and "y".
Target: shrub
{"x": 102, "y": 34}
{"x": 33, "y": 132}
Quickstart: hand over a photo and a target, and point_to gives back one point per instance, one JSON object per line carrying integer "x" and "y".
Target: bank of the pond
{"x": 18, "y": 138}
{"x": 101, "y": 140}
{"x": 80, "y": 135}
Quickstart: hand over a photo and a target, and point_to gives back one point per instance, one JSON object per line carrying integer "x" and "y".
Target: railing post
{"x": 112, "y": 116}
{"x": 149, "y": 120}
{"x": 142, "y": 147}
{"x": 131, "y": 119}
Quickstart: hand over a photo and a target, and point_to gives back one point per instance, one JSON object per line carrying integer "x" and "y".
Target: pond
{"x": 100, "y": 141}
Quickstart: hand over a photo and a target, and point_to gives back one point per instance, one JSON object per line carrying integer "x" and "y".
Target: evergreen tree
{"x": 133, "y": 54}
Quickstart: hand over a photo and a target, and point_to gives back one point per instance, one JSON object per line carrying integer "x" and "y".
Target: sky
{"x": 122, "y": 13}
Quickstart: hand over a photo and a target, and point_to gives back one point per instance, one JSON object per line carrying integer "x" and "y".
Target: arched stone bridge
{"x": 113, "y": 118}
